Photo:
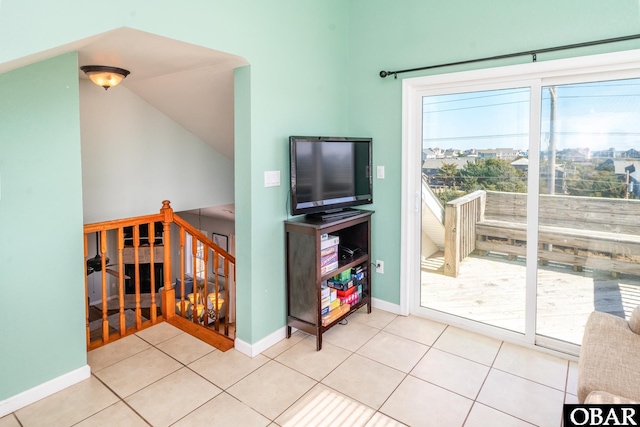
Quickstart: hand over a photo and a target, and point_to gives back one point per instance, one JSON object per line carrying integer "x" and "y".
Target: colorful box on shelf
{"x": 341, "y": 286}
{"x": 333, "y": 294}
{"x": 350, "y": 299}
{"x": 324, "y": 311}
{"x": 329, "y": 254}
{"x": 343, "y": 276}
{"x": 333, "y": 315}
{"x": 325, "y": 302}
{"x": 346, "y": 292}
{"x": 331, "y": 257}
{"x": 358, "y": 276}
{"x": 324, "y": 269}
{"x": 334, "y": 304}
{"x": 329, "y": 241}
{"x": 325, "y": 290}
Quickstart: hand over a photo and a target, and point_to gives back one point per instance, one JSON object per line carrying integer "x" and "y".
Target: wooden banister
{"x": 194, "y": 231}
{"x": 113, "y": 224}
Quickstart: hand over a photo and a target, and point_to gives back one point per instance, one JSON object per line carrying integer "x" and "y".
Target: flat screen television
{"x": 329, "y": 175}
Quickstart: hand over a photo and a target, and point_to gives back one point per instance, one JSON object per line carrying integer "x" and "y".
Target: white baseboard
{"x": 43, "y": 390}
{"x": 386, "y": 306}
{"x": 253, "y": 350}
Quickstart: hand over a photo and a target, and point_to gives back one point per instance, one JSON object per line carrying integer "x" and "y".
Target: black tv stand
{"x": 333, "y": 215}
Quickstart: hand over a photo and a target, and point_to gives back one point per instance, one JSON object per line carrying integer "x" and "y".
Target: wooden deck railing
{"x": 154, "y": 247}
{"x": 584, "y": 232}
{"x": 460, "y": 218}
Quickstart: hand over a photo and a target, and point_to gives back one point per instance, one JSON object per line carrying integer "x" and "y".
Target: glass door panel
{"x": 588, "y": 205}
{"x": 474, "y": 184}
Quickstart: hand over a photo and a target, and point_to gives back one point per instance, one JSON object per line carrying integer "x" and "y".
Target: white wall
{"x": 211, "y": 225}
{"x": 133, "y": 157}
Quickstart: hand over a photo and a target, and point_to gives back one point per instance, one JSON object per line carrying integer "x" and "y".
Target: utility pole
{"x": 626, "y": 194}
{"x": 551, "y": 187}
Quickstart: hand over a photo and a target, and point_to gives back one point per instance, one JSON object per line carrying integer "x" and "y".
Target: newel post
{"x": 169, "y": 294}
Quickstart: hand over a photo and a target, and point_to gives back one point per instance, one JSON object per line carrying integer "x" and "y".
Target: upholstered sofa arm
{"x": 609, "y": 358}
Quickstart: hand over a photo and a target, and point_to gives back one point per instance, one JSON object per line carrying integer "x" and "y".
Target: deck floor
{"x": 491, "y": 289}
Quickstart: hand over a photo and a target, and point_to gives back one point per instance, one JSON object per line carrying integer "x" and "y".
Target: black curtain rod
{"x": 533, "y": 54}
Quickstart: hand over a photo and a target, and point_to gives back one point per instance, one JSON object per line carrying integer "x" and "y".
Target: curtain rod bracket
{"x": 534, "y": 57}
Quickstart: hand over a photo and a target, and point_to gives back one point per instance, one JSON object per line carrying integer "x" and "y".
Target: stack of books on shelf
{"x": 328, "y": 253}
{"x": 341, "y": 292}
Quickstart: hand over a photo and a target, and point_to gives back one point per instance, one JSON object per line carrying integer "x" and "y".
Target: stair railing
{"x": 133, "y": 252}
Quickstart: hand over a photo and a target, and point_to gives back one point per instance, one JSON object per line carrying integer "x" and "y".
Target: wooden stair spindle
{"x": 103, "y": 270}
{"x": 216, "y": 289}
{"x": 227, "y": 296}
{"x": 123, "y": 322}
{"x": 205, "y": 284}
{"x": 195, "y": 290}
{"x": 183, "y": 304}
{"x": 136, "y": 263}
{"x": 152, "y": 240}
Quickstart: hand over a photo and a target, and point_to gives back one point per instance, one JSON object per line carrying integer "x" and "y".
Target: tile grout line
{"x": 121, "y": 399}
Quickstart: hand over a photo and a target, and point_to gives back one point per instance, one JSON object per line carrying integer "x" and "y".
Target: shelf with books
{"x": 306, "y": 256}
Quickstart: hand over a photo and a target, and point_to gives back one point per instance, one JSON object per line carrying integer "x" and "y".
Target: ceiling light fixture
{"x": 105, "y": 76}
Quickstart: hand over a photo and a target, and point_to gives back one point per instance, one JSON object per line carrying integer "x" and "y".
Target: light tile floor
{"x": 379, "y": 370}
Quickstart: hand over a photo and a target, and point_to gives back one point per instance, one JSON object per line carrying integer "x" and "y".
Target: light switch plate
{"x": 271, "y": 178}
{"x": 380, "y": 172}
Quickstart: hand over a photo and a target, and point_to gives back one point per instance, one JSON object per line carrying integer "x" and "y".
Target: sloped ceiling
{"x": 190, "y": 84}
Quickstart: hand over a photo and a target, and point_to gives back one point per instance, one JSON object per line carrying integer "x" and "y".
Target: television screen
{"x": 329, "y": 174}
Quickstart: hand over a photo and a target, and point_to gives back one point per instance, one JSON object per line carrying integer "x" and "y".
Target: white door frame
{"x": 608, "y": 66}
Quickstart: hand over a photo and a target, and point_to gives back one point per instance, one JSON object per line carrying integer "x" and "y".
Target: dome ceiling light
{"x": 105, "y": 76}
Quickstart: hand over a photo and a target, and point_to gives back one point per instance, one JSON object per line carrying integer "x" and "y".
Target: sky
{"x": 596, "y": 115}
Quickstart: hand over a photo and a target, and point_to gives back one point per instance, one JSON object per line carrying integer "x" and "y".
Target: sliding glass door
{"x": 529, "y": 182}
{"x": 474, "y": 144}
{"x": 589, "y": 212}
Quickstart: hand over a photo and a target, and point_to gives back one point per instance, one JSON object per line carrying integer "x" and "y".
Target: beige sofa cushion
{"x": 609, "y": 358}
{"x": 604, "y": 398}
{"x": 634, "y": 320}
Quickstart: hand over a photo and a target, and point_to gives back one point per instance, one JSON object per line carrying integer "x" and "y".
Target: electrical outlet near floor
{"x": 379, "y": 266}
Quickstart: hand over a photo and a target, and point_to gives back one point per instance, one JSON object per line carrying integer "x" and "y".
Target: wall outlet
{"x": 379, "y": 266}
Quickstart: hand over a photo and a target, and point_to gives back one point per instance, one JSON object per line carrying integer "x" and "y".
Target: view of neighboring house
{"x": 428, "y": 154}
{"x": 574, "y": 155}
{"x": 609, "y": 153}
{"x": 631, "y": 154}
{"x": 620, "y": 166}
{"x": 499, "y": 153}
{"x": 431, "y": 168}
{"x": 521, "y": 164}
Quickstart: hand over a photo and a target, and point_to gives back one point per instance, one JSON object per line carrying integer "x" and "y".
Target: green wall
{"x": 42, "y": 333}
{"x": 415, "y": 33}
